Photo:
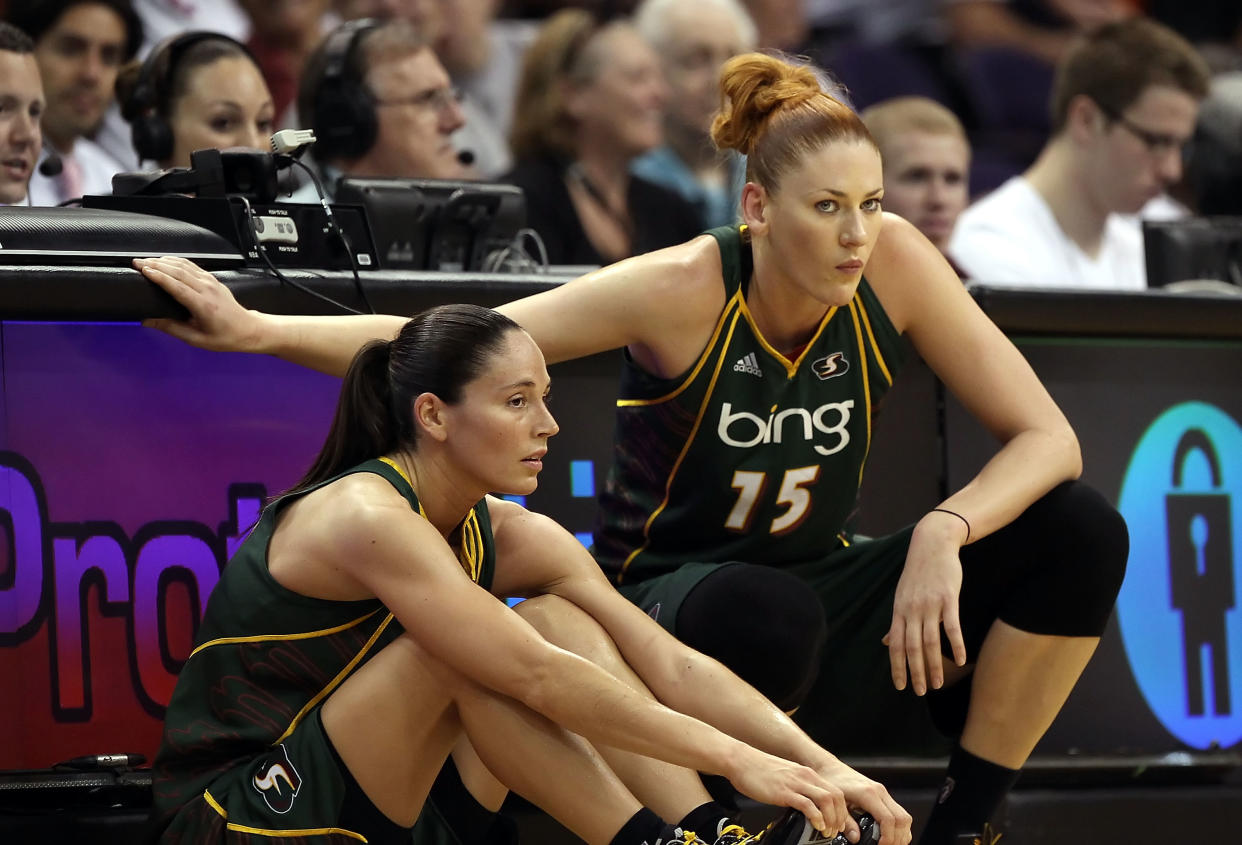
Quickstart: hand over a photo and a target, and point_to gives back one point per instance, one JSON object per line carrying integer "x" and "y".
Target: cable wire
{"x": 267, "y": 259}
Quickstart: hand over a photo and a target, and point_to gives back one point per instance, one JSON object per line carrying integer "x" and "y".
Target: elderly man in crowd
{"x": 694, "y": 38}
{"x": 381, "y": 106}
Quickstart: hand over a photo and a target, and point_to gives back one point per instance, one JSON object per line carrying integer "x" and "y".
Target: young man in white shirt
{"x": 1123, "y": 105}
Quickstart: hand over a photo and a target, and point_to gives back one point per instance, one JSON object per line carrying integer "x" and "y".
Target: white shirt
{"x": 1011, "y": 238}
{"x": 95, "y": 165}
{"x": 162, "y": 18}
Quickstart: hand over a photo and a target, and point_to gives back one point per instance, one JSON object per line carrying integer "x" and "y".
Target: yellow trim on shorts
{"x": 215, "y": 805}
{"x": 734, "y": 300}
{"x": 284, "y": 834}
{"x": 694, "y": 430}
{"x": 335, "y": 682}
{"x": 310, "y": 831}
{"x": 304, "y": 635}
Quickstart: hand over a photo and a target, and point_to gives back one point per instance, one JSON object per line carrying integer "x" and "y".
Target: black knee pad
{"x": 1075, "y": 545}
{"x": 766, "y": 625}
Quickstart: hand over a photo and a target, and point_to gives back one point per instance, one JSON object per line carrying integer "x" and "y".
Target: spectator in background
{"x": 1041, "y": 28}
{"x": 1123, "y": 106}
{"x": 80, "y": 46}
{"x": 198, "y": 90}
{"x": 783, "y": 24}
{"x": 380, "y": 105}
{"x": 694, "y": 38}
{"x": 591, "y": 100}
{"x": 1214, "y": 167}
{"x": 459, "y": 31}
{"x": 283, "y": 34}
{"x": 484, "y": 58}
{"x": 926, "y": 163}
{"x": 1213, "y": 26}
{"x": 162, "y": 19}
{"x": 424, "y": 14}
{"x": 21, "y": 92}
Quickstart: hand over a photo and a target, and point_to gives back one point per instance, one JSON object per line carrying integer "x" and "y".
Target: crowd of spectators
{"x": 601, "y": 111}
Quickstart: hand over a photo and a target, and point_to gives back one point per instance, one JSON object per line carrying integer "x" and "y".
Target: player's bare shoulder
{"x": 684, "y": 296}
{"x": 347, "y": 515}
{"x": 904, "y": 268}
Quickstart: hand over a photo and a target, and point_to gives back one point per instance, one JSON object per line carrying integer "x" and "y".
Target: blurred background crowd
{"x": 1077, "y": 117}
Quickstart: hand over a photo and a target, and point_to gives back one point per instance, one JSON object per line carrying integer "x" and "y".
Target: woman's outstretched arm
{"x": 219, "y": 322}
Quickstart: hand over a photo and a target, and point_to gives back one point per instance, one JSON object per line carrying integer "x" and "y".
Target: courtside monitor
{"x": 100, "y": 237}
{"x": 436, "y": 224}
{"x": 1194, "y": 254}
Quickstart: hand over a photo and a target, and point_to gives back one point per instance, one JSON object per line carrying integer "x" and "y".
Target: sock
{"x": 973, "y": 789}
{"x": 707, "y": 820}
{"x": 469, "y": 820}
{"x": 645, "y": 828}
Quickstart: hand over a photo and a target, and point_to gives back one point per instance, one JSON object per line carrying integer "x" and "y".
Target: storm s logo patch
{"x": 278, "y": 781}
{"x": 831, "y": 366}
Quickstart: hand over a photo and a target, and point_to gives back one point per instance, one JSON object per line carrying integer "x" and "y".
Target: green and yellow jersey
{"x": 266, "y": 657}
{"x": 747, "y": 456}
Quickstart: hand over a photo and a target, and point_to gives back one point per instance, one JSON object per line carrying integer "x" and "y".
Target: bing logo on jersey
{"x": 1178, "y": 609}
{"x": 278, "y": 781}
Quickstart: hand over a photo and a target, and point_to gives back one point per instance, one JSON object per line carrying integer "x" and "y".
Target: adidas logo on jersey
{"x": 748, "y": 364}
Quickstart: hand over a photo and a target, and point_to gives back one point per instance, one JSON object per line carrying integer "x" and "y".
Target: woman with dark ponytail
{"x": 355, "y": 637}
{"x": 757, "y": 355}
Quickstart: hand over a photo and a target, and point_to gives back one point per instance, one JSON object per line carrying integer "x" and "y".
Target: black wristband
{"x": 959, "y": 516}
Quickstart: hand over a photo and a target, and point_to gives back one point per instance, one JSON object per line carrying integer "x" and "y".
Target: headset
{"x": 344, "y": 120}
{"x": 151, "y": 133}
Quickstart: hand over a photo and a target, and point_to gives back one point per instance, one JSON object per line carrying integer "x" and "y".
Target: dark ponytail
{"x": 364, "y": 425}
{"x": 439, "y": 351}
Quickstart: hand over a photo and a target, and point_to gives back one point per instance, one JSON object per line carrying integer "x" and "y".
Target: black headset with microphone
{"x": 52, "y": 164}
{"x": 145, "y": 107}
{"x": 343, "y": 118}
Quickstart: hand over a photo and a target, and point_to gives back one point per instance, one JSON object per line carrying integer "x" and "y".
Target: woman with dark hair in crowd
{"x": 757, "y": 356}
{"x": 197, "y": 90}
{"x": 355, "y": 636}
{"x": 591, "y": 100}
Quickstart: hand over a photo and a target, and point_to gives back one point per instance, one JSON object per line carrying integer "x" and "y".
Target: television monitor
{"x": 1195, "y": 253}
{"x": 436, "y": 224}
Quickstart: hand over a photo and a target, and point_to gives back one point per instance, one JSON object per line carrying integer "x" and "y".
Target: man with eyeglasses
{"x": 1124, "y": 104}
{"x": 381, "y": 105}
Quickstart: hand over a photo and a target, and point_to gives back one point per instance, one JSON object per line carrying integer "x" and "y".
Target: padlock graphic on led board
{"x": 1200, "y": 542}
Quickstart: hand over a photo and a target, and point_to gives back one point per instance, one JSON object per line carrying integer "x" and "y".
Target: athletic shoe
{"x": 792, "y": 828}
{"x": 989, "y": 836}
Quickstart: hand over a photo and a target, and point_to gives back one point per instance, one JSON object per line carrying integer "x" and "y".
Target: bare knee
{"x": 564, "y": 624}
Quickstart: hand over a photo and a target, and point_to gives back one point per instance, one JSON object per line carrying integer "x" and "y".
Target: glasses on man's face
{"x": 1159, "y": 144}
{"x": 434, "y": 99}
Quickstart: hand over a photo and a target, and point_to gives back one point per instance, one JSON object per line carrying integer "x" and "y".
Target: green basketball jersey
{"x": 746, "y": 456}
{"x": 265, "y": 657}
